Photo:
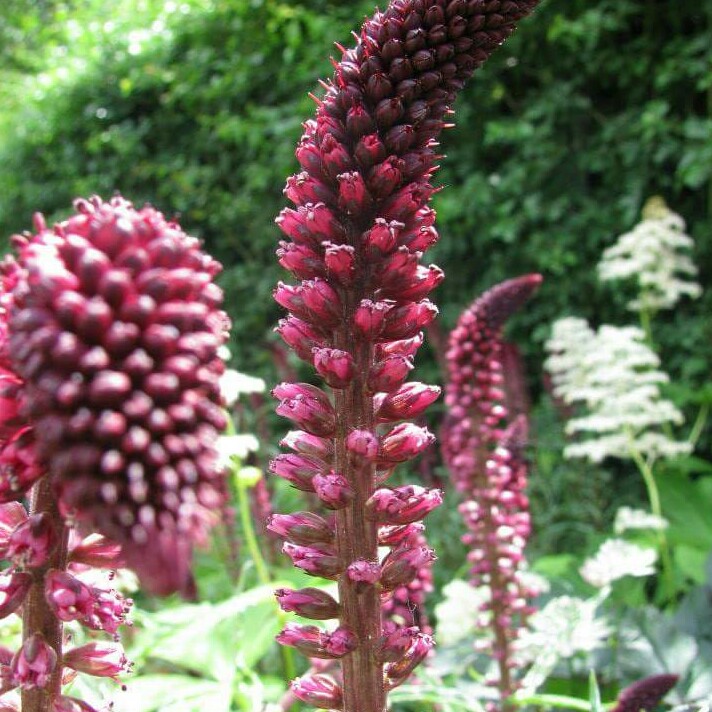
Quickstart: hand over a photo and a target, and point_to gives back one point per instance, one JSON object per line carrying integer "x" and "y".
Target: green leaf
{"x": 594, "y": 694}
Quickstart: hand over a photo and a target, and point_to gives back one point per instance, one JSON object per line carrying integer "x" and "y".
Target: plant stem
{"x": 38, "y": 617}
{"x": 699, "y": 424}
{"x": 356, "y": 536}
{"x": 656, "y": 508}
{"x": 261, "y": 568}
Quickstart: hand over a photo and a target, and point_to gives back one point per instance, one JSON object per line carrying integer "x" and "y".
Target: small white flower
{"x": 616, "y": 376}
{"x": 628, "y": 518}
{"x": 615, "y": 559}
{"x": 656, "y": 253}
{"x": 233, "y": 384}
{"x": 239, "y": 446}
{"x": 564, "y": 627}
{"x": 459, "y": 610}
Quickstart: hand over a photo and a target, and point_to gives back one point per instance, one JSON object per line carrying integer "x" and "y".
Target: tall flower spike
{"x": 485, "y": 459}
{"x": 115, "y": 330}
{"x": 357, "y": 233}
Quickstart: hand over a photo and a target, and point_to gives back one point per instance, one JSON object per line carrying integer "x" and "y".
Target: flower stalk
{"x": 360, "y": 226}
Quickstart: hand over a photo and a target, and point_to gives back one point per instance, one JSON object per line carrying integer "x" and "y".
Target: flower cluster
{"x": 615, "y": 375}
{"x": 29, "y": 543}
{"x": 115, "y": 329}
{"x": 356, "y": 236}
{"x": 484, "y": 454}
{"x": 645, "y": 694}
{"x": 615, "y": 559}
{"x": 656, "y": 253}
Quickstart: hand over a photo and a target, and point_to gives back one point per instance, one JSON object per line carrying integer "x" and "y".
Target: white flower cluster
{"x": 615, "y": 559}
{"x": 233, "y": 384}
{"x": 655, "y": 252}
{"x": 628, "y": 518}
{"x": 459, "y": 610}
{"x": 565, "y": 627}
{"x": 615, "y": 375}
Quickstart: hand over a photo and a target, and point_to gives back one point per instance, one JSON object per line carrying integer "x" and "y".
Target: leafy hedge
{"x": 588, "y": 110}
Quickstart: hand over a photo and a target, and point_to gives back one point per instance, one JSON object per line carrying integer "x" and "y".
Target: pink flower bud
{"x": 402, "y": 505}
{"x": 369, "y": 150}
{"x": 315, "y": 561}
{"x": 308, "y": 602}
{"x": 385, "y": 177}
{"x": 310, "y": 224}
{"x": 393, "y": 646}
{"x": 299, "y": 470}
{"x": 354, "y": 197}
{"x": 359, "y": 121}
{"x": 404, "y": 322}
{"x": 303, "y": 261}
{"x": 33, "y": 664}
{"x": 303, "y": 528}
{"x": 333, "y": 490}
{"x": 98, "y": 658}
{"x": 335, "y": 366}
{"x": 404, "y": 442}
{"x": 370, "y": 317}
{"x": 67, "y": 596}
{"x": 404, "y": 347}
{"x": 389, "y": 374}
{"x": 300, "y": 336}
{"x": 96, "y": 551}
{"x": 322, "y": 301}
{"x": 398, "y": 672}
{"x": 319, "y": 691}
{"x": 362, "y": 445}
{"x": 402, "y": 565}
{"x": 340, "y": 261}
{"x": 12, "y": 514}
{"x": 308, "y": 444}
{"x": 308, "y": 407}
{"x": 32, "y": 541}
{"x": 109, "y": 610}
{"x": 423, "y": 282}
{"x": 13, "y": 589}
{"x": 382, "y": 238}
{"x": 315, "y": 643}
{"x": 395, "y": 534}
{"x": 335, "y": 157}
{"x": 409, "y": 401}
{"x": 303, "y": 188}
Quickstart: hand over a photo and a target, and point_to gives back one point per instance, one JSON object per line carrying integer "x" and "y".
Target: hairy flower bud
{"x": 319, "y": 691}
{"x": 402, "y": 505}
{"x": 302, "y": 528}
{"x": 98, "y": 659}
{"x": 33, "y": 664}
{"x": 308, "y": 602}
{"x": 315, "y": 643}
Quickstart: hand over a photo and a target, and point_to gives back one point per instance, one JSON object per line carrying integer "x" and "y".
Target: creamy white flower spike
{"x": 655, "y": 253}
{"x": 457, "y": 613}
{"x": 615, "y": 376}
{"x": 628, "y": 518}
{"x": 615, "y": 559}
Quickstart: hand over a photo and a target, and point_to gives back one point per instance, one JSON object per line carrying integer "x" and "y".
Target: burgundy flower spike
{"x": 356, "y": 236}
{"x": 482, "y": 446}
{"x": 110, "y": 325}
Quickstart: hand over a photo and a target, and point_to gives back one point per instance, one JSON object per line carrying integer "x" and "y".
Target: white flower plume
{"x": 615, "y": 559}
{"x": 656, "y": 253}
{"x": 615, "y": 376}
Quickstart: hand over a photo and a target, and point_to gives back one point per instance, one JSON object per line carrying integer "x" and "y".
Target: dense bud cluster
{"x": 114, "y": 329}
{"x": 483, "y": 448}
{"x": 356, "y": 236}
{"x": 28, "y": 547}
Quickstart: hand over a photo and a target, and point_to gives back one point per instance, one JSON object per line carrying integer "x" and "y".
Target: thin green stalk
{"x": 263, "y": 574}
{"x": 699, "y": 424}
{"x": 656, "y": 508}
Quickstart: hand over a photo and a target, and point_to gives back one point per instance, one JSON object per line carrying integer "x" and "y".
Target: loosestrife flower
{"x": 110, "y": 408}
{"x": 484, "y": 455}
{"x": 655, "y": 253}
{"x": 615, "y": 559}
{"x": 616, "y": 377}
{"x": 356, "y": 236}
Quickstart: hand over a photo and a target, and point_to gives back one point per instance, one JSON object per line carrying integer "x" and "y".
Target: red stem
{"x": 38, "y": 617}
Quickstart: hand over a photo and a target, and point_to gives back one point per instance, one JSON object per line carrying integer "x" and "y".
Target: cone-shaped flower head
{"x": 475, "y": 393}
{"x": 356, "y": 237}
{"x": 115, "y": 330}
{"x": 483, "y": 450}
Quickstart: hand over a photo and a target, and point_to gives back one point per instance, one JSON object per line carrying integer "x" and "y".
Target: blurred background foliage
{"x": 196, "y": 106}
